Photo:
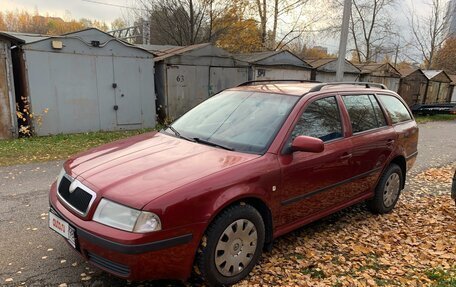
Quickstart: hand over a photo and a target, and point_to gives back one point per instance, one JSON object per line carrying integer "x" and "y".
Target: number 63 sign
{"x": 180, "y": 78}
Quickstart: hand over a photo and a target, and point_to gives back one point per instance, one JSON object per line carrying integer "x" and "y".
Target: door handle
{"x": 389, "y": 142}
{"x": 346, "y": 156}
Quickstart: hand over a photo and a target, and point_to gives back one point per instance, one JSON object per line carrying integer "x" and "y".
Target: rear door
{"x": 404, "y": 126}
{"x": 372, "y": 141}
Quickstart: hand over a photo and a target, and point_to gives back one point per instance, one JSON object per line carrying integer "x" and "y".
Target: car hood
{"x": 139, "y": 169}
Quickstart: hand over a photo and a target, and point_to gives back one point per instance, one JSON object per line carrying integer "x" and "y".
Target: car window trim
{"x": 370, "y": 131}
{"x": 379, "y": 104}
{"x": 307, "y": 102}
{"x": 400, "y": 100}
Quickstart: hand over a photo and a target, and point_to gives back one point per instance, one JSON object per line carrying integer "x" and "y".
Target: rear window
{"x": 364, "y": 111}
{"x": 396, "y": 109}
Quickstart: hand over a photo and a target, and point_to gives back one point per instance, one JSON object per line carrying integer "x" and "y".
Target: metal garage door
{"x": 222, "y": 78}
{"x": 5, "y": 104}
{"x": 127, "y": 93}
{"x": 187, "y": 87}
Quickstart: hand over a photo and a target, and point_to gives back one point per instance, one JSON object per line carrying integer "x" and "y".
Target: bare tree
{"x": 370, "y": 27}
{"x": 185, "y": 22}
{"x": 177, "y": 22}
{"x": 268, "y": 11}
{"x": 429, "y": 31}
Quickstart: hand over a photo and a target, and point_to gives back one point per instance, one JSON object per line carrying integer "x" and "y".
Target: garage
{"x": 276, "y": 65}
{"x": 84, "y": 81}
{"x": 186, "y": 76}
{"x": 324, "y": 70}
{"x": 8, "y": 123}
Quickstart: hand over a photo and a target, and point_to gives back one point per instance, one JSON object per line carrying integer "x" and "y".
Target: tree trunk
{"x": 192, "y": 23}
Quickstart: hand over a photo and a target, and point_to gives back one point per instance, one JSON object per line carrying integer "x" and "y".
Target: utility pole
{"x": 343, "y": 41}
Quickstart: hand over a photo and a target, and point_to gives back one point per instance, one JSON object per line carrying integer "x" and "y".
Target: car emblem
{"x": 73, "y": 186}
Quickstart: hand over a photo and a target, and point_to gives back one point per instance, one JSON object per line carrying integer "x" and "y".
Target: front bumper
{"x": 162, "y": 255}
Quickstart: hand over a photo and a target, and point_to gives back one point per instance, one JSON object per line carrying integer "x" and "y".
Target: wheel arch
{"x": 257, "y": 203}
{"x": 401, "y": 162}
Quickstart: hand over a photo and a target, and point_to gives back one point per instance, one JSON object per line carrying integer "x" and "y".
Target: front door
{"x": 313, "y": 182}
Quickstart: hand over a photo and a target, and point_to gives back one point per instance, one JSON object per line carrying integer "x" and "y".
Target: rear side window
{"x": 396, "y": 109}
{"x": 364, "y": 111}
{"x": 321, "y": 119}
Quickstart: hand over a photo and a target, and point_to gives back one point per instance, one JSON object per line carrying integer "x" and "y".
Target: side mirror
{"x": 307, "y": 144}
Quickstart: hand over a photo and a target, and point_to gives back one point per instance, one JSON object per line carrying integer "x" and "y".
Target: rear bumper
{"x": 169, "y": 255}
{"x": 410, "y": 160}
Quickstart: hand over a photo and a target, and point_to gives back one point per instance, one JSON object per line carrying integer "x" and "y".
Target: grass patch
{"x": 442, "y": 278}
{"x": 434, "y": 118}
{"x": 39, "y": 149}
{"x": 314, "y": 272}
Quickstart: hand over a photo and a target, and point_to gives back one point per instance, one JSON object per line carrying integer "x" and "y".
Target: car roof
{"x": 301, "y": 88}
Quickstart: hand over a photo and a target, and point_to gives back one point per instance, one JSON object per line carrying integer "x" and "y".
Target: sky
{"x": 87, "y": 9}
{"x": 70, "y": 8}
{"x": 109, "y": 10}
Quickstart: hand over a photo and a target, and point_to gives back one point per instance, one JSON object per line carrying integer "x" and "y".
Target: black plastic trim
{"x": 135, "y": 249}
{"x": 121, "y": 269}
{"x": 304, "y": 196}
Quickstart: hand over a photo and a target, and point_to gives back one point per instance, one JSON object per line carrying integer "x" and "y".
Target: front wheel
{"x": 231, "y": 246}
{"x": 387, "y": 191}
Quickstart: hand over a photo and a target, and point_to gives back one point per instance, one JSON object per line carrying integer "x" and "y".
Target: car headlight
{"x": 126, "y": 218}
{"x": 61, "y": 175}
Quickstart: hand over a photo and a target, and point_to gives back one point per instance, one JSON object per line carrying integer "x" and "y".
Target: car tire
{"x": 387, "y": 191}
{"x": 231, "y": 246}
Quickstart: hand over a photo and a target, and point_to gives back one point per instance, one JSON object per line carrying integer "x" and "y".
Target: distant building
{"x": 451, "y": 18}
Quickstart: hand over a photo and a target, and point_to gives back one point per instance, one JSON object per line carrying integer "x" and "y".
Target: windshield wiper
{"x": 198, "y": 140}
{"x": 179, "y": 135}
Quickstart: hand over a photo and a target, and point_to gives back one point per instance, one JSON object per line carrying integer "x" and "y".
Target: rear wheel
{"x": 231, "y": 246}
{"x": 387, "y": 191}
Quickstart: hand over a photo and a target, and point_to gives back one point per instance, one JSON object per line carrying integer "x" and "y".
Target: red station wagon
{"x": 213, "y": 190}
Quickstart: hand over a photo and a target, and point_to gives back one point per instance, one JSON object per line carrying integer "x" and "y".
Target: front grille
{"x": 79, "y": 199}
{"x": 120, "y": 269}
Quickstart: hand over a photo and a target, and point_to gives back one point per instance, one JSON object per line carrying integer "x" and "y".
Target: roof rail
{"x": 366, "y": 84}
{"x": 272, "y": 81}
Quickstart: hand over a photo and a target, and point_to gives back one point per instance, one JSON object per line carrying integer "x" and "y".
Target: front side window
{"x": 321, "y": 119}
{"x": 396, "y": 109}
{"x": 364, "y": 111}
{"x": 244, "y": 121}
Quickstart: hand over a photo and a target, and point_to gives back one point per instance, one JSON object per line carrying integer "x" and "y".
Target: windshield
{"x": 239, "y": 120}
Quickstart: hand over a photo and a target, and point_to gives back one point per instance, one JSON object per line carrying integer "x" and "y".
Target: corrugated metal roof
{"x": 157, "y": 48}
{"x": 372, "y": 67}
{"x": 273, "y": 58}
{"x": 177, "y": 50}
{"x": 431, "y": 73}
{"x": 317, "y": 63}
{"x": 407, "y": 71}
{"x": 257, "y": 56}
{"x": 24, "y": 38}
